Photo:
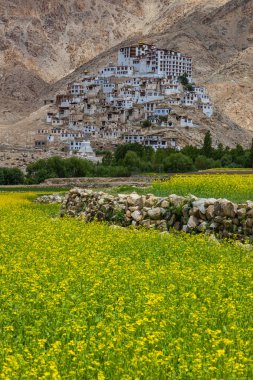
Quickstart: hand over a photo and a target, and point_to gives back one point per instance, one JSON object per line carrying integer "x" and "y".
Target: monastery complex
{"x": 144, "y": 99}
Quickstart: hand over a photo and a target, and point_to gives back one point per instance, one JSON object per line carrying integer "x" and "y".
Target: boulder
{"x": 209, "y": 202}
{"x": 192, "y": 222}
{"x": 223, "y": 207}
{"x": 210, "y": 212}
{"x": 165, "y": 204}
{"x": 176, "y": 200}
{"x": 241, "y": 213}
{"x": 137, "y": 216}
{"x": 154, "y": 213}
{"x": 249, "y": 222}
{"x": 250, "y": 213}
{"x": 200, "y": 205}
{"x": 150, "y": 201}
{"x": 134, "y": 199}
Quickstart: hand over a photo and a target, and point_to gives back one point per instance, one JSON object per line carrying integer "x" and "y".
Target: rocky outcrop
{"x": 189, "y": 214}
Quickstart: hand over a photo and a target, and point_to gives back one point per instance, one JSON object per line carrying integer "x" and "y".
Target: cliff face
{"x": 43, "y": 41}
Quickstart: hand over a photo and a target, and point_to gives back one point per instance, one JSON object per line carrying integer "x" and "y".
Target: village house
{"x": 41, "y": 142}
{"x": 186, "y": 122}
{"x": 49, "y": 117}
{"x": 189, "y": 99}
{"x": 110, "y": 133}
{"x": 156, "y": 120}
{"x": 207, "y": 109}
{"x": 43, "y": 131}
{"x": 154, "y": 140}
{"x": 162, "y": 111}
{"x": 56, "y": 121}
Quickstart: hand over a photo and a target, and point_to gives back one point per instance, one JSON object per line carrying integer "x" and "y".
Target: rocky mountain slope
{"x": 44, "y": 44}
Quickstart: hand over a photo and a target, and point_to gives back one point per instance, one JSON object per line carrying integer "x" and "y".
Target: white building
{"x": 153, "y": 140}
{"x": 108, "y": 87}
{"x": 207, "y": 109}
{"x": 56, "y": 121}
{"x": 110, "y": 133}
{"x": 171, "y": 89}
{"x": 49, "y": 117}
{"x": 75, "y": 88}
{"x": 121, "y": 102}
{"x": 149, "y": 96}
{"x": 117, "y": 71}
{"x": 90, "y": 129}
{"x": 162, "y": 111}
{"x": 133, "y": 138}
{"x": 199, "y": 90}
{"x": 147, "y": 59}
{"x": 186, "y": 122}
{"x": 204, "y": 98}
{"x": 189, "y": 99}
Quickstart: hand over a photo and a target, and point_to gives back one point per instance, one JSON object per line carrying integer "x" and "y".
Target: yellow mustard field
{"x": 87, "y": 301}
{"x": 235, "y": 187}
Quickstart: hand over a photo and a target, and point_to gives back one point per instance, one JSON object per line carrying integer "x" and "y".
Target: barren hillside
{"x": 43, "y": 41}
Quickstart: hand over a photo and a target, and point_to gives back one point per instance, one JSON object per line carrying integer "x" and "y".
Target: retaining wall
{"x": 189, "y": 214}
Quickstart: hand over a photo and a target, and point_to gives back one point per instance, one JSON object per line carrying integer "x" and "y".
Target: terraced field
{"x": 87, "y": 301}
{"x": 235, "y": 187}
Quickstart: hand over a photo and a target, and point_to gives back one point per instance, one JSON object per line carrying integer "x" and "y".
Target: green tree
{"x": 178, "y": 162}
{"x": 207, "y": 146}
{"x": 11, "y": 176}
{"x": 146, "y": 124}
{"x": 202, "y": 163}
{"x": 77, "y": 167}
{"x": 183, "y": 79}
{"x": 132, "y": 161}
{"x": 251, "y": 153}
{"x": 108, "y": 158}
{"x": 219, "y": 152}
{"x": 191, "y": 151}
{"x": 226, "y": 160}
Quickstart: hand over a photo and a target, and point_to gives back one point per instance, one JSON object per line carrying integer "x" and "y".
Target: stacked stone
{"x": 189, "y": 214}
{"x": 50, "y": 199}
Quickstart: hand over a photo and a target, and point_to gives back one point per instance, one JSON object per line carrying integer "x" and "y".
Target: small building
{"x": 162, "y": 111}
{"x": 207, "y": 109}
{"x": 56, "y": 121}
{"x": 189, "y": 99}
{"x": 133, "y": 138}
{"x": 117, "y": 71}
{"x": 156, "y": 141}
{"x": 186, "y": 122}
{"x": 49, "y": 117}
{"x": 171, "y": 89}
{"x": 40, "y": 143}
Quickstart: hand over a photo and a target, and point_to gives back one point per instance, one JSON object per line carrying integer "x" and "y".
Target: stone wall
{"x": 92, "y": 182}
{"x": 50, "y": 199}
{"x": 189, "y": 214}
